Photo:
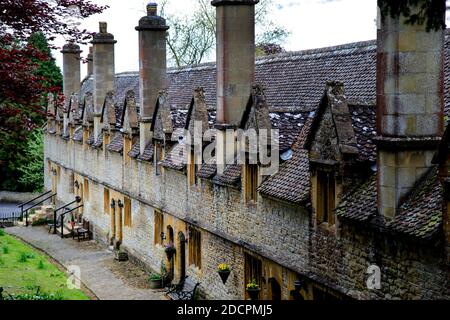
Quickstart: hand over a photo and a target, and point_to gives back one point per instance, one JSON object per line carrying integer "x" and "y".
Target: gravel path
{"x": 94, "y": 262}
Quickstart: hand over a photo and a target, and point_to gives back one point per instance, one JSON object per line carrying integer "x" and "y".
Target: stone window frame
{"x": 106, "y": 201}
{"x": 86, "y": 189}
{"x": 158, "y": 157}
{"x": 192, "y": 170}
{"x": 326, "y": 199}
{"x": 251, "y": 179}
{"x": 127, "y": 216}
{"x": 71, "y": 182}
{"x": 195, "y": 247}
{"x": 158, "y": 227}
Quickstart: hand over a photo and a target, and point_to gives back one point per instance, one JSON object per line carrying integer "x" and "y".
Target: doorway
{"x": 182, "y": 240}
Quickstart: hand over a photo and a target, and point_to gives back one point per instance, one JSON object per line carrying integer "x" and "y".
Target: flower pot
{"x": 156, "y": 284}
{"x": 121, "y": 256}
{"x": 253, "y": 293}
{"x": 224, "y": 275}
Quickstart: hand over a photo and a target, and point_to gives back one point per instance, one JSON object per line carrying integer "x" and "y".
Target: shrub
{"x": 155, "y": 277}
{"x": 39, "y": 222}
{"x": 2, "y": 232}
{"x": 24, "y": 256}
{"x": 5, "y": 250}
{"x": 41, "y": 265}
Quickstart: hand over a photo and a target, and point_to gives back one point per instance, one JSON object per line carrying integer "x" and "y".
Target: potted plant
{"x": 72, "y": 221}
{"x": 121, "y": 255}
{"x": 224, "y": 271}
{"x": 253, "y": 290}
{"x": 155, "y": 280}
{"x": 170, "y": 250}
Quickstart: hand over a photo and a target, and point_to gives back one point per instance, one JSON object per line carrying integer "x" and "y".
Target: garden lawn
{"x": 23, "y": 270}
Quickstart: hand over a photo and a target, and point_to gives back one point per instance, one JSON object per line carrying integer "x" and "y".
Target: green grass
{"x": 23, "y": 270}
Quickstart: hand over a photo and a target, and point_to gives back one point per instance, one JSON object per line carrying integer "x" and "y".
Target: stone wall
{"x": 280, "y": 234}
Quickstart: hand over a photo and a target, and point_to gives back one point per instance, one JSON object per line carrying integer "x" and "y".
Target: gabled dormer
{"x": 332, "y": 150}
{"x": 197, "y": 124}
{"x": 255, "y": 122}
{"x": 129, "y": 124}
{"x": 87, "y": 116}
{"x": 161, "y": 128}
{"x": 108, "y": 119}
{"x": 51, "y": 114}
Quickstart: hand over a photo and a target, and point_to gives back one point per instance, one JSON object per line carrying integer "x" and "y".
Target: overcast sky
{"x": 312, "y": 23}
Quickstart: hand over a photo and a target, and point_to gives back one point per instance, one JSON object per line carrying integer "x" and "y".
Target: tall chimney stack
{"x": 152, "y": 67}
{"x": 90, "y": 60}
{"x": 71, "y": 77}
{"x": 103, "y": 55}
{"x": 235, "y": 68}
{"x": 410, "y": 105}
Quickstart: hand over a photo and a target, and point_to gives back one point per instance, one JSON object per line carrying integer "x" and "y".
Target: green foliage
{"x": 21, "y": 148}
{"x": 39, "y": 222}
{"x": 23, "y": 257}
{"x": 5, "y": 250}
{"x": 2, "y": 232}
{"x": 155, "y": 277}
{"x": 32, "y": 168}
{"x": 35, "y": 279}
{"x": 37, "y": 295}
{"x": 430, "y": 12}
{"x": 41, "y": 265}
{"x": 47, "y": 69}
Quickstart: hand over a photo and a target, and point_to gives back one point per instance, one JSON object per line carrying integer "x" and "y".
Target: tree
{"x": 46, "y": 69}
{"x": 26, "y": 70}
{"x": 192, "y": 38}
{"x": 32, "y": 170}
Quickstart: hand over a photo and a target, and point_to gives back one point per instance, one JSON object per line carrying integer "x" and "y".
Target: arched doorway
{"x": 275, "y": 290}
{"x": 182, "y": 255}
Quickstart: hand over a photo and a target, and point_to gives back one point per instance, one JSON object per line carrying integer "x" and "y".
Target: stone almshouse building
{"x": 364, "y": 175}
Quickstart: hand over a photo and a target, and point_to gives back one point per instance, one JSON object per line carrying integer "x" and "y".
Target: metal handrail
{"x": 62, "y": 219}
{"x": 77, "y": 200}
{"x": 32, "y": 200}
{"x": 32, "y": 207}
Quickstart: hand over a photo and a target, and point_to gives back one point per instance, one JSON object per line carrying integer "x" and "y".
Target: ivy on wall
{"x": 431, "y": 12}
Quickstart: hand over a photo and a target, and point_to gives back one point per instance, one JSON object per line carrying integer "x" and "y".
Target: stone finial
{"x": 103, "y": 27}
{"x": 152, "y": 9}
{"x": 103, "y": 36}
{"x": 152, "y": 21}
{"x": 71, "y": 47}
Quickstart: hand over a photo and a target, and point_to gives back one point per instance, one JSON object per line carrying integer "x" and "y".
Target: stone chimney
{"x": 235, "y": 68}
{"x": 152, "y": 67}
{"x": 103, "y": 56}
{"x": 410, "y": 106}
{"x": 71, "y": 78}
{"x": 90, "y": 61}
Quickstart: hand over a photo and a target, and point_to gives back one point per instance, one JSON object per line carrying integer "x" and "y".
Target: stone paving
{"x": 93, "y": 260}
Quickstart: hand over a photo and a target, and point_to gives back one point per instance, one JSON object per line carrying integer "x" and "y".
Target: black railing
{"x": 62, "y": 215}
{"x": 77, "y": 200}
{"x": 40, "y": 202}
